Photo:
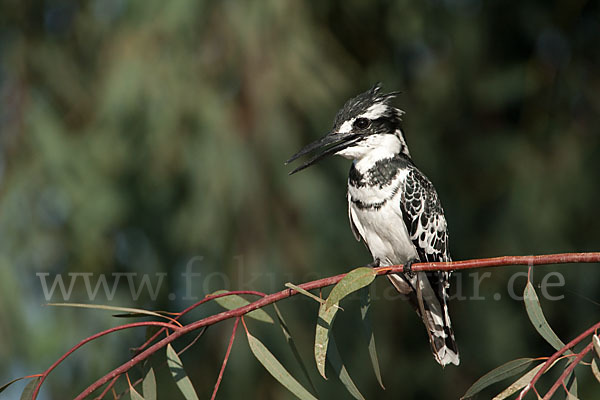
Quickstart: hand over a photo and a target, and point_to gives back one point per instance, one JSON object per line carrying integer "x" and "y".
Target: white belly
{"x": 384, "y": 232}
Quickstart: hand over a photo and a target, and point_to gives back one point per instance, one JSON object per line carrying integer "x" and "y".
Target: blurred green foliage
{"x": 135, "y": 135}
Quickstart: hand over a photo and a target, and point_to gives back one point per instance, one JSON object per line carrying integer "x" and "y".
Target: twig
{"x": 193, "y": 306}
{"x": 555, "y": 356}
{"x": 231, "y": 339}
{"x": 568, "y": 370}
{"x": 93, "y": 337}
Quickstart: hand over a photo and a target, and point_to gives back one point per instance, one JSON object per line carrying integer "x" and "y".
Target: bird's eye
{"x": 361, "y": 123}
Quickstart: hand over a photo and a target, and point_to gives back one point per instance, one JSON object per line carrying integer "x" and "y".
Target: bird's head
{"x": 367, "y": 126}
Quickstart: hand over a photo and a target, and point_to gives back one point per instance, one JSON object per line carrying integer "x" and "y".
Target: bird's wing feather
{"x": 353, "y": 225}
{"x": 424, "y": 219}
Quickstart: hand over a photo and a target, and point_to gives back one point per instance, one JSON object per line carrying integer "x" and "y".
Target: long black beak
{"x": 327, "y": 145}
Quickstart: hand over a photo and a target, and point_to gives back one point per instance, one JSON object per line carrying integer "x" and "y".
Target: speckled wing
{"x": 424, "y": 219}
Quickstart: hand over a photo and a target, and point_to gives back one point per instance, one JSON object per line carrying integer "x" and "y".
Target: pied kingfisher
{"x": 393, "y": 207}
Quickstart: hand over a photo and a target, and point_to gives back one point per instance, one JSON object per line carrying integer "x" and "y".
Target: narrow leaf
{"x": 521, "y": 382}
{"x": 127, "y": 310}
{"x": 354, "y": 280}
{"x": 27, "y": 393}
{"x": 3, "y": 387}
{"x": 596, "y": 341}
{"x": 536, "y": 316}
{"x": 290, "y": 341}
{"x": 149, "y": 385}
{"x": 133, "y": 394}
{"x": 138, "y": 314}
{"x": 365, "y": 313}
{"x": 595, "y": 370}
{"x": 571, "y": 383}
{"x": 333, "y": 355}
{"x": 304, "y": 292}
{"x": 181, "y": 379}
{"x": 322, "y": 334}
{"x": 278, "y": 371}
{"x": 234, "y": 301}
{"x": 504, "y": 371}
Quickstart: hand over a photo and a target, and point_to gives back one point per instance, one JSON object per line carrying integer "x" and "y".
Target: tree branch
{"x": 320, "y": 283}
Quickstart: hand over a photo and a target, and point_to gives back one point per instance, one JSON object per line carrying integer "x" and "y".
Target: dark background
{"x": 135, "y": 135}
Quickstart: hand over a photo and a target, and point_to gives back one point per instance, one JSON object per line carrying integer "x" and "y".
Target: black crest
{"x": 362, "y": 102}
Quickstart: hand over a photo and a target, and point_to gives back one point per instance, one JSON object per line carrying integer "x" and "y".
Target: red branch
{"x": 272, "y": 298}
{"x": 568, "y": 370}
{"x": 93, "y": 337}
{"x": 555, "y": 356}
{"x": 231, "y": 339}
{"x": 193, "y": 306}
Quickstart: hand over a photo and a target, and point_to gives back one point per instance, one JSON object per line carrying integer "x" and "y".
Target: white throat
{"x": 374, "y": 148}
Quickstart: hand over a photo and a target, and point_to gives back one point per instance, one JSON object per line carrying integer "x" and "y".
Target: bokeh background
{"x": 137, "y": 135}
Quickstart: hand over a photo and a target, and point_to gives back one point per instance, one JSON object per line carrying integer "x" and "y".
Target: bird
{"x": 392, "y": 207}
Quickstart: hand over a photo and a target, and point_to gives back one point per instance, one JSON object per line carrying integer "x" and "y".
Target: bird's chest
{"x": 376, "y": 214}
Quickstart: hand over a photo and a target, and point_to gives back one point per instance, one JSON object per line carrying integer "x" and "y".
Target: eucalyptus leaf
{"x": 351, "y": 282}
{"x": 595, "y": 369}
{"x": 133, "y": 394}
{"x": 181, "y": 379}
{"x": 234, "y": 301}
{"x": 290, "y": 341}
{"x": 522, "y": 382}
{"x": 27, "y": 393}
{"x": 571, "y": 383}
{"x": 333, "y": 355}
{"x": 3, "y": 387}
{"x": 536, "y": 316}
{"x": 365, "y": 313}
{"x": 128, "y": 311}
{"x": 498, "y": 374}
{"x": 278, "y": 371}
{"x": 149, "y": 385}
{"x": 322, "y": 335}
{"x": 304, "y": 292}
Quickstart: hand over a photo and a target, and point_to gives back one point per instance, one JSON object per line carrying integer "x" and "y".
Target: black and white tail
{"x": 426, "y": 291}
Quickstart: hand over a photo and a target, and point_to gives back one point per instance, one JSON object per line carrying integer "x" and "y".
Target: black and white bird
{"x": 393, "y": 207}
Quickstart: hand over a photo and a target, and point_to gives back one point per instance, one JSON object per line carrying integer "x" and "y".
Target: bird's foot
{"x": 374, "y": 264}
{"x": 407, "y": 269}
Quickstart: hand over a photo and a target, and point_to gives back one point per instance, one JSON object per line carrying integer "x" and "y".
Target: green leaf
{"x": 290, "y": 341}
{"x": 234, "y": 301}
{"x": 128, "y": 310}
{"x": 304, "y": 292}
{"x": 522, "y": 382}
{"x": 595, "y": 369}
{"x": 278, "y": 371}
{"x": 138, "y": 314}
{"x": 365, "y": 313}
{"x": 504, "y": 371}
{"x": 181, "y": 379}
{"x": 27, "y": 393}
{"x": 149, "y": 385}
{"x": 571, "y": 383}
{"x": 354, "y": 280}
{"x": 133, "y": 394}
{"x": 322, "y": 334}
{"x": 333, "y": 355}
{"x": 3, "y": 387}
{"x": 596, "y": 341}
{"x": 536, "y": 316}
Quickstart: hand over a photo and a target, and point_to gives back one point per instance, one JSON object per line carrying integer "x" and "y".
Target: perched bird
{"x": 393, "y": 207}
